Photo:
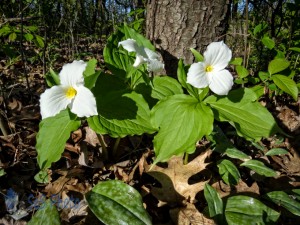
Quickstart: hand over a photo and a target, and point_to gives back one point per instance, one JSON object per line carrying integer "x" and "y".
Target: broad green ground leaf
{"x": 242, "y": 71}
{"x": 259, "y": 167}
{"x": 182, "y": 121}
{"x": 277, "y": 151}
{"x": 181, "y": 75}
{"x": 250, "y": 118}
{"x": 215, "y": 203}
{"x": 268, "y": 42}
{"x": 115, "y": 202}
{"x": 224, "y": 145}
{"x": 90, "y": 67}
{"x": 118, "y": 62}
{"x": 283, "y": 199}
{"x": 52, "y": 78}
{"x": 287, "y": 85}
{"x": 244, "y": 210}
{"x": 236, "y": 61}
{"x": 165, "y": 86}
{"x": 46, "y": 215}
{"x": 52, "y": 136}
{"x": 121, "y": 111}
{"x": 140, "y": 39}
{"x": 159, "y": 88}
{"x": 228, "y": 171}
{"x": 278, "y": 65}
{"x": 90, "y": 75}
{"x": 198, "y": 56}
{"x": 259, "y": 90}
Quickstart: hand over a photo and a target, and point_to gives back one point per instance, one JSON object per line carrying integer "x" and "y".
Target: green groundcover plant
{"x": 178, "y": 112}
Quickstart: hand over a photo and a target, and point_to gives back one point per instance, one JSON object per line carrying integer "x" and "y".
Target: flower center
{"x": 209, "y": 68}
{"x": 71, "y": 92}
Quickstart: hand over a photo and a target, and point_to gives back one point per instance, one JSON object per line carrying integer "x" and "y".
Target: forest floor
{"x": 82, "y": 166}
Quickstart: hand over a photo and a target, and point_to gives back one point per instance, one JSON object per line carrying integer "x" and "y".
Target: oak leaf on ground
{"x": 175, "y": 188}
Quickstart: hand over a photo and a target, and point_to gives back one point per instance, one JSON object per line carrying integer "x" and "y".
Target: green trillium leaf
{"x": 121, "y": 111}
{"x": 250, "y": 118}
{"x": 52, "y": 136}
{"x": 182, "y": 121}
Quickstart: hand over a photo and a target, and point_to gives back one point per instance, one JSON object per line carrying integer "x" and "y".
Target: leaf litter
{"x": 171, "y": 193}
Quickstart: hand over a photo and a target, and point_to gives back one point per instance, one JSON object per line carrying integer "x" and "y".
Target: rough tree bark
{"x": 175, "y": 26}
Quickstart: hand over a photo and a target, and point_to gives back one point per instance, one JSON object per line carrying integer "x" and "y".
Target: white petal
{"x": 155, "y": 65}
{"x": 151, "y": 54}
{"x": 138, "y": 60}
{"x": 131, "y": 46}
{"x": 196, "y": 75}
{"x": 53, "y": 100}
{"x": 221, "y": 82}
{"x": 72, "y": 73}
{"x": 84, "y": 103}
{"x": 217, "y": 55}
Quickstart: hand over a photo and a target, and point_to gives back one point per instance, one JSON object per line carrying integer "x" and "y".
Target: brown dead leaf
{"x": 225, "y": 190}
{"x": 76, "y": 135}
{"x": 86, "y": 157}
{"x": 174, "y": 180}
{"x": 289, "y": 118}
{"x": 289, "y": 163}
{"x": 91, "y": 137}
{"x": 15, "y": 105}
{"x": 189, "y": 215}
{"x": 56, "y": 186}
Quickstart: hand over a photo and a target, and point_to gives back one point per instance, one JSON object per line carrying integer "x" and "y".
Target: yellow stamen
{"x": 209, "y": 68}
{"x": 71, "y": 93}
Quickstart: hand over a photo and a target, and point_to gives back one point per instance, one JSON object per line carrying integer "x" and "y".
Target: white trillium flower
{"x": 70, "y": 93}
{"x": 143, "y": 55}
{"x": 211, "y": 72}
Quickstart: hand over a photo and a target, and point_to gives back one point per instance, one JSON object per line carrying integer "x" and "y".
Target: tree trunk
{"x": 175, "y": 26}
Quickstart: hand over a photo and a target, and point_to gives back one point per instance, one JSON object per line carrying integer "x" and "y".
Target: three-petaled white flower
{"x": 143, "y": 55}
{"x": 71, "y": 92}
{"x": 211, "y": 72}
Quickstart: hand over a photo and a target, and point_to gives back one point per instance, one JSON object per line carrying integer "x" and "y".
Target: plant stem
{"x": 186, "y": 159}
{"x": 103, "y": 145}
{"x": 116, "y": 145}
{"x": 3, "y": 126}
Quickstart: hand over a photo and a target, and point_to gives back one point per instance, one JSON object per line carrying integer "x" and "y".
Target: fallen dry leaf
{"x": 189, "y": 215}
{"x": 289, "y": 118}
{"x": 174, "y": 180}
{"x": 225, "y": 190}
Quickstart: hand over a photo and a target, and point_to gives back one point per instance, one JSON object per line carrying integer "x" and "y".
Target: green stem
{"x": 186, "y": 159}
{"x": 103, "y": 145}
{"x": 116, "y": 145}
